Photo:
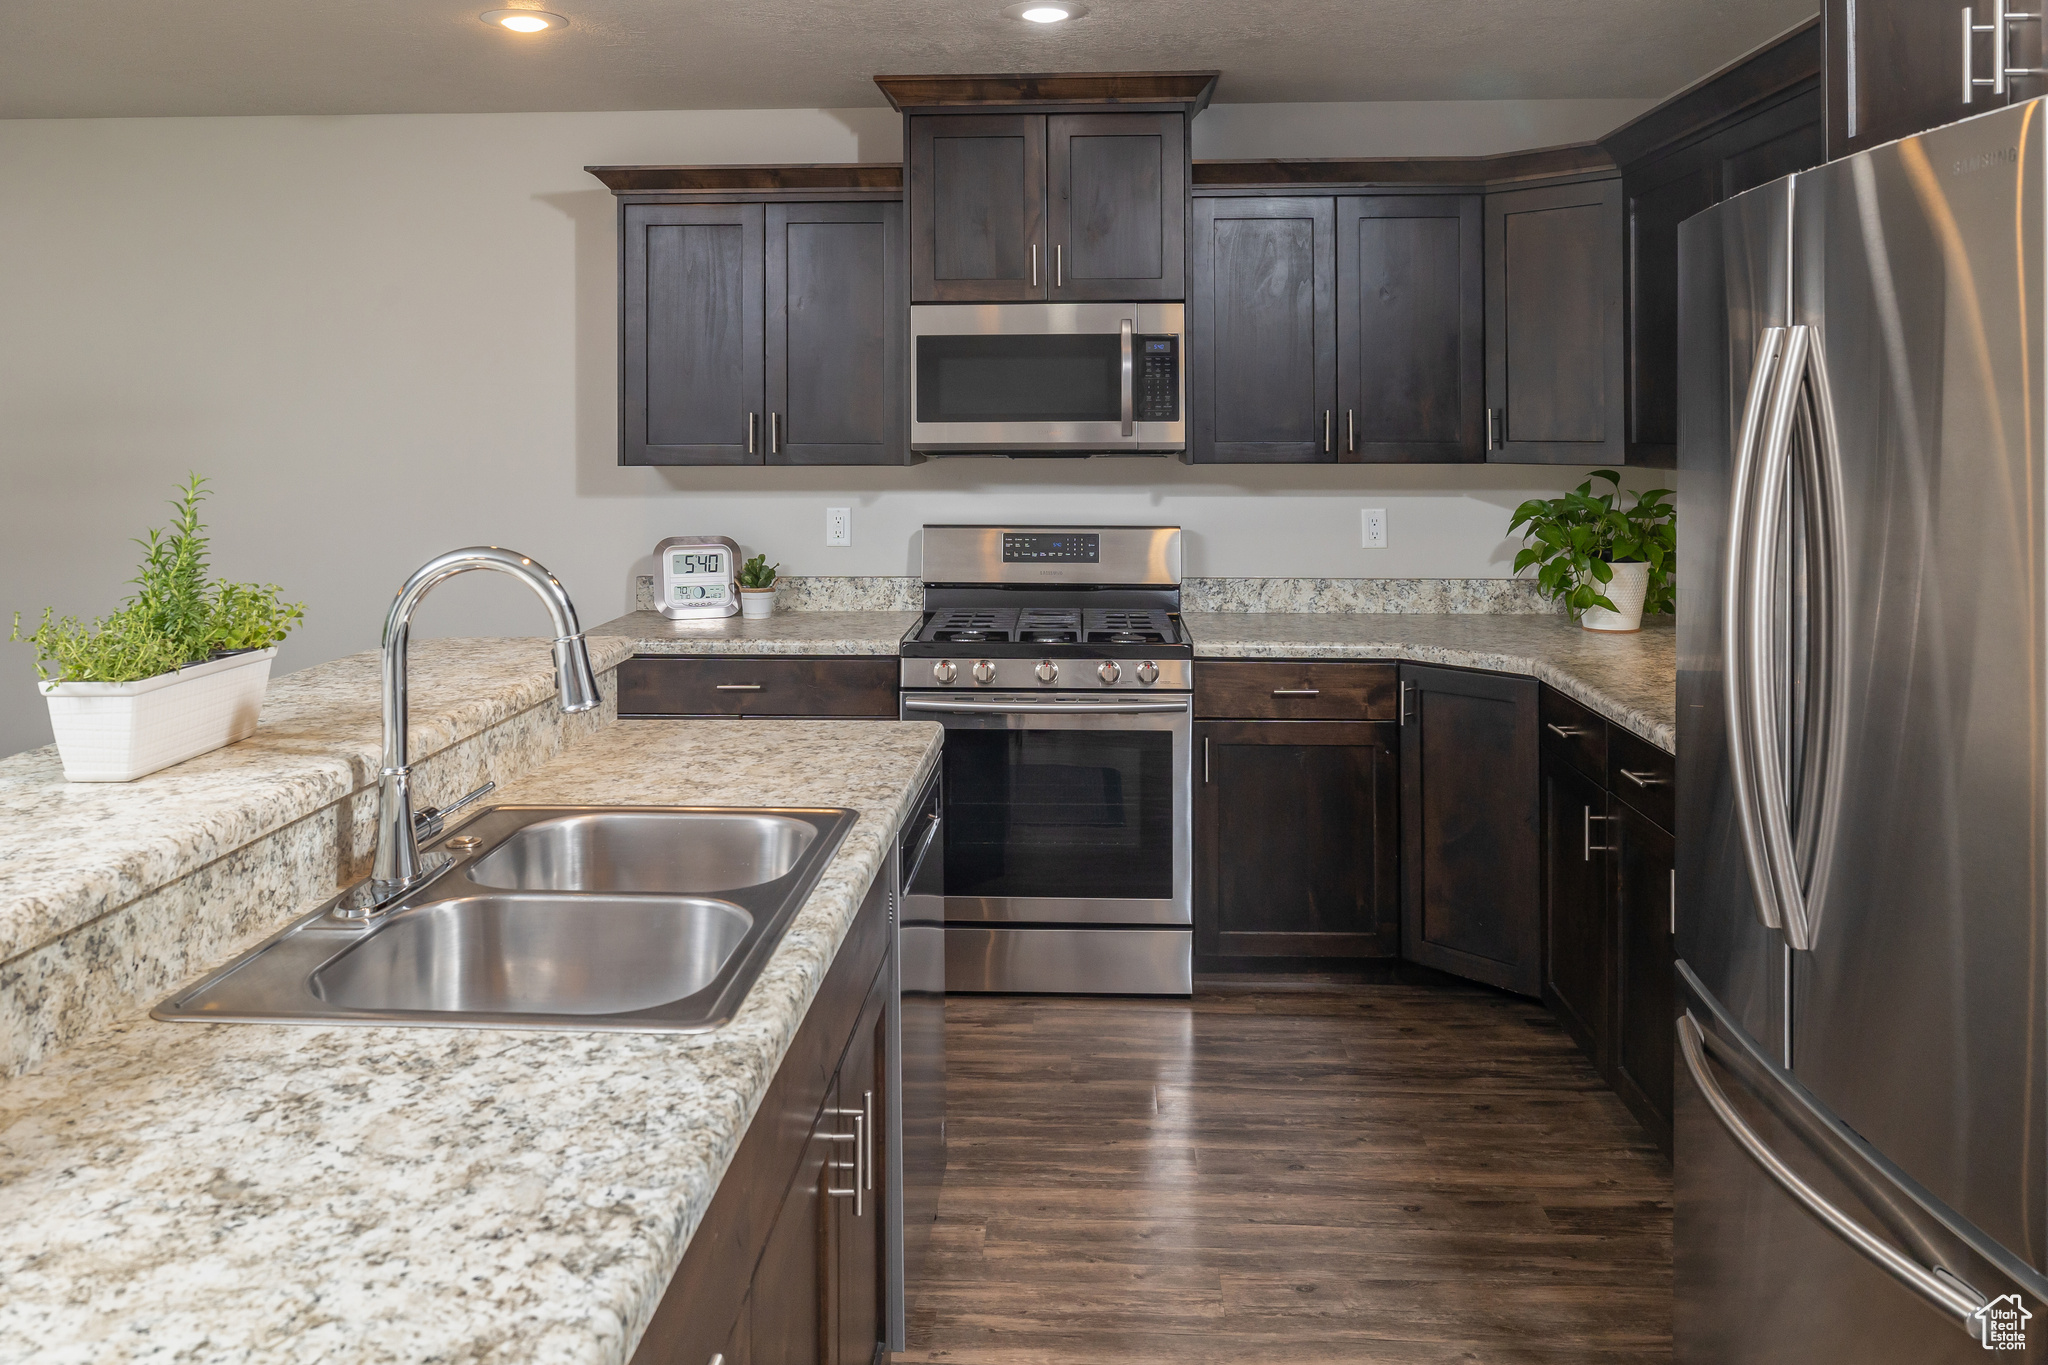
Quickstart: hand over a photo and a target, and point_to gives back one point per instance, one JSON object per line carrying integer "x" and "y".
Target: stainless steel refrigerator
{"x": 1862, "y": 892}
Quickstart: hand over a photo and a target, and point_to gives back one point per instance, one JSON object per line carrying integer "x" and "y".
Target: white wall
{"x": 382, "y": 337}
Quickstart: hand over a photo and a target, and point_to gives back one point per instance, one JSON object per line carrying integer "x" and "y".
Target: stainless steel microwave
{"x": 1058, "y": 378}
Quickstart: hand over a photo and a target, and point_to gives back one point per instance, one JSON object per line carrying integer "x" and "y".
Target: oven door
{"x": 1079, "y": 377}
{"x": 1065, "y": 809}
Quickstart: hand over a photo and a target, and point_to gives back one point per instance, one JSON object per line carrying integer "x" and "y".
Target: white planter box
{"x": 1631, "y": 583}
{"x": 117, "y": 732}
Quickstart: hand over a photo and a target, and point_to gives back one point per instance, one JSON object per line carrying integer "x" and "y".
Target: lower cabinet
{"x": 1297, "y": 839}
{"x": 786, "y": 1266}
{"x": 1608, "y": 955}
{"x": 1470, "y": 900}
{"x": 656, "y": 686}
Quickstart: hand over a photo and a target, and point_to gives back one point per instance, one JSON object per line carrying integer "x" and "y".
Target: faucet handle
{"x": 427, "y": 824}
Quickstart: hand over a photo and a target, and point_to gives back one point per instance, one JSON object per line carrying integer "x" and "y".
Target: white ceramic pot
{"x": 756, "y": 603}
{"x": 1626, "y": 590}
{"x": 117, "y": 732}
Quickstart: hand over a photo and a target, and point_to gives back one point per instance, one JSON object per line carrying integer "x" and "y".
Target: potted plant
{"x": 1607, "y": 563}
{"x": 757, "y": 587}
{"x": 178, "y": 670}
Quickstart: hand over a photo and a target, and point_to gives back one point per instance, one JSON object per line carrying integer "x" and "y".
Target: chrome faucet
{"x": 400, "y": 865}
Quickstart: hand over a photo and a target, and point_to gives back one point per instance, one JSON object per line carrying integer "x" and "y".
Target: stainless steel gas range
{"x": 1056, "y": 659}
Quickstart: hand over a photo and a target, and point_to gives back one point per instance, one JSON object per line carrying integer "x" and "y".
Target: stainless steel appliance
{"x": 1056, "y": 660}
{"x": 917, "y": 1048}
{"x": 1047, "y": 378}
{"x": 1862, "y": 880}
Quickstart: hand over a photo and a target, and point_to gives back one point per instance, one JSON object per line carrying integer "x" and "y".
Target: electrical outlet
{"x": 839, "y": 526}
{"x": 1372, "y": 528}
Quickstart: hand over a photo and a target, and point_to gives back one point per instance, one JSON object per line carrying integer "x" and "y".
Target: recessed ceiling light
{"x": 523, "y": 20}
{"x": 1046, "y": 11}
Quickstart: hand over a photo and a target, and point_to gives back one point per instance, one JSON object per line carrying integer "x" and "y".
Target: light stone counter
{"x": 251, "y": 1193}
{"x": 1632, "y": 680}
{"x": 786, "y": 632}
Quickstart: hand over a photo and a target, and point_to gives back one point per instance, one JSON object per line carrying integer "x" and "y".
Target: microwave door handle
{"x": 1129, "y": 377}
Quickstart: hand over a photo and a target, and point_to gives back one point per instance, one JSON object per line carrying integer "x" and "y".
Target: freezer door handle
{"x": 1735, "y": 640}
{"x": 1940, "y": 1288}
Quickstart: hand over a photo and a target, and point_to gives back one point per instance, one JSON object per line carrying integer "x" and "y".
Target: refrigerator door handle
{"x": 1799, "y": 405}
{"x": 1937, "y": 1285}
{"x": 1735, "y": 637}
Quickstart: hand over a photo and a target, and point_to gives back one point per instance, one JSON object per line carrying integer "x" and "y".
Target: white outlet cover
{"x": 1372, "y": 528}
{"x": 839, "y": 526}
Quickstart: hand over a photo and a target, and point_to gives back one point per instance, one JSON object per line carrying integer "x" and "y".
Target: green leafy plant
{"x": 1577, "y": 539}
{"x": 758, "y": 573}
{"x": 174, "y": 619}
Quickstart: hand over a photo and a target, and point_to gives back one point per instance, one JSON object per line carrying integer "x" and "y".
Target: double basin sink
{"x": 654, "y": 919}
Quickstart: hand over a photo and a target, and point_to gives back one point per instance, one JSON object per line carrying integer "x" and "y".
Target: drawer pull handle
{"x": 1646, "y": 779}
{"x": 1297, "y": 691}
{"x": 1563, "y": 731}
{"x": 739, "y": 687}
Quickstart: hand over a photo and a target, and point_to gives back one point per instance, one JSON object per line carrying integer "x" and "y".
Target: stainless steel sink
{"x": 553, "y": 917}
{"x": 660, "y": 852}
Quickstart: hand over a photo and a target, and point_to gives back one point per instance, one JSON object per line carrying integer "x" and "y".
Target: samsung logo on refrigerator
{"x": 2004, "y": 156}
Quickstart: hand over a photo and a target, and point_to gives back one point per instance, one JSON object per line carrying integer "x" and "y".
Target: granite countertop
{"x": 786, "y": 632}
{"x": 1630, "y": 679}
{"x": 234, "y": 1192}
{"x": 70, "y": 851}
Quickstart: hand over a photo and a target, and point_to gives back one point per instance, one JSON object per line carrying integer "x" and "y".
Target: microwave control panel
{"x": 1158, "y": 379}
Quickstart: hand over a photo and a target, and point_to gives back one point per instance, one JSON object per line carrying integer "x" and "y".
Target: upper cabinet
{"x": 1063, "y": 206}
{"x": 1898, "y": 67}
{"x": 773, "y": 332}
{"x": 1554, "y": 361}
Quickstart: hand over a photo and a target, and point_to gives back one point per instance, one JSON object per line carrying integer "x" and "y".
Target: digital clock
{"x": 698, "y": 576}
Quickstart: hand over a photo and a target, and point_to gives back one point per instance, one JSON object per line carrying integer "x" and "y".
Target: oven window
{"x": 1066, "y": 813}
{"x": 1061, "y": 378}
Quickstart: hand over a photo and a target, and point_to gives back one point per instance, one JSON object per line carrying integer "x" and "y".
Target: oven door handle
{"x": 1053, "y": 708}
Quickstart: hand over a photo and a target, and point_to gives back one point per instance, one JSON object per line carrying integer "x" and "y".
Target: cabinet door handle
{"x": 1205, "y": 760}
{"x": 738, "y": 687}
{"x": 1590, "y": 846}
{"x": 1403, "y": 711}
{"x": 1059, "y": 267}
{"x": 1297, "y": 692}
{"x": 867, "y": 1102}
{"x": 1489, "y": 429}
{"x": 1350, "y": 432}
{"x": 1674, "y": 902}
{"x": 856, "y": 1193}
{"x": 1034, "y": 265}
{"x": 1562, "y": 731}
{"x": 1646, "y": 779}
{"x": 774, "y": 433}
{"x": 753, "y": 420}
{"x": 1327, "y": 414}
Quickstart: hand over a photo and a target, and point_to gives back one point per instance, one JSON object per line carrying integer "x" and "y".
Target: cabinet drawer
{"x": 1641, "y": 774}
{"x": 724, "y": 685}
{"x": 1264, "y": 689}
{"x": 1573, "y": 733}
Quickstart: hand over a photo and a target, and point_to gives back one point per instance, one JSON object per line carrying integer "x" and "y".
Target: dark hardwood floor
{"x": 1370, "y": 1173}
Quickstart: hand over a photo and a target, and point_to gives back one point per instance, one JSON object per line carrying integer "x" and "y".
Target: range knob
{"x": 985, "y": 671}
{"x": 1109, "y": 672}
{"x": 944, "y": 671}
{"x": 1047, "y": 671}
{"x": 1148, "y": 672}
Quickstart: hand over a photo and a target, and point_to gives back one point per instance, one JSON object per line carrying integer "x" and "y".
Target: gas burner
{"x": 1118, "y": 626}
{"x": 1050, "y": 637}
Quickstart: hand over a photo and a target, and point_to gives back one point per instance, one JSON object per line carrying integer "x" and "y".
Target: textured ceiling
{"x": 73, "y": 58}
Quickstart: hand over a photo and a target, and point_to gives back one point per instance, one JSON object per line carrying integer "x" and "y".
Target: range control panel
{"x": 1158, "y": 379}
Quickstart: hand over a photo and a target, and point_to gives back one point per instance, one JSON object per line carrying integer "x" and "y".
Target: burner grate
{"x": 972, "y": 625}
{"x": 1114, "y": 626}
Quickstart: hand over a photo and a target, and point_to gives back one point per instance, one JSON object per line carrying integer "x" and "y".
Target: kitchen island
{"x": 255, "y": 1192}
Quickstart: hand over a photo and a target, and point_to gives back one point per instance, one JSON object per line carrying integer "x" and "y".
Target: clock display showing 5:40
{"x": 698, "y": 576}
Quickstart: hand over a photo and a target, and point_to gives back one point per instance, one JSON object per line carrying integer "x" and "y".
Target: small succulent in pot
{"x": 757, "y": 587}
{"x": 1581, "y": 539}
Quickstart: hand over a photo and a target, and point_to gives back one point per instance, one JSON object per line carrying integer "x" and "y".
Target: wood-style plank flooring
{"x": 1376, "y": 1173}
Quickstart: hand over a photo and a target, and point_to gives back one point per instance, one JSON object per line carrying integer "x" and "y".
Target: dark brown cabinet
{"x": 1297, "y": 839}
{"x": 1554, "y": 353}
{"x": 1411, "y": 347}
{"x": 1470, "y": 895}
{"x": 762, "y": 334}
{"x": 1608, "y": 955}
{"x": 654, "y": 686}
{"x": 1262, "y": 331}
{"x": 853, "y": 1236}
{"x": 1899, "y": 67}
{"x": 1065, "y": 206}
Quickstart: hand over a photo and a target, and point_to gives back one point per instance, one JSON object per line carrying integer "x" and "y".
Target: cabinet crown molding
{"x": 1189, "y": 91}
{"x": 1502, "y": 168}
{"x": 854, "y": 175}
